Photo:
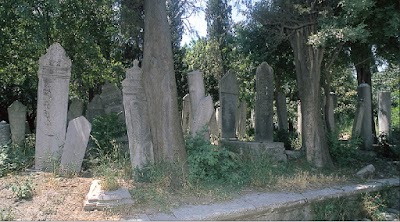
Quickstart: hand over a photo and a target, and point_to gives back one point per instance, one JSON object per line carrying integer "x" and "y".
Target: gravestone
{"x": 137, "y": 119}
{"x": 111, "y": 97}
{"x": 384, "y": 113}
{"x": 4, "y": 133}
{"x": 75, "y": 109}
{"x": 228, "y": 96}
{"x": 252, "y": 119}
{"x": 186, "y": 114}
{"x": 52, "y": 106}
{"x": 357, "y": 123}
{"x": 264, "y": 103}
{"x": 17, "y": 118}
{"x": 299, "y": 118}
{"x": 76, "y": 142}
{"x": 94, "y": 108}
{"x": 282, "y": 111}
{"x": 202, "y": 106}
{"x": 214, "y": 129}
{"x": 364, "y": 95}
{"x": 241, "y": 120}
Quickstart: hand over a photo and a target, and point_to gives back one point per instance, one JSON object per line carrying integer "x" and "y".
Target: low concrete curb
{"x": 258, "y": 204}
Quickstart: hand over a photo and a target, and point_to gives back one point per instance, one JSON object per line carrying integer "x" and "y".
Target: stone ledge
{"x": 268, "y": 205}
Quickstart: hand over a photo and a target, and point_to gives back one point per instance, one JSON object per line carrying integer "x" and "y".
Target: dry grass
{"x": 303, "y": 180}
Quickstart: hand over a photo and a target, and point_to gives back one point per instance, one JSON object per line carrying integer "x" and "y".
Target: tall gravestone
{"x": 4, "y": 133}
{"x": 75, "y": 109}
{"x": 364, "y": 96}
{"x": 17, "y": 118}
{"x": 264, "y": 103}
{"x": 94, "y": 108}
{"x": 202, "y": 106}
{"x": 228, "y": 96}
{"x": 241, "y": 120}
{"x": 137, "y": 119}
{"x": 384, "y": 113}
{"x": 76, "y": 142}
{"x": 186, "y": 114}
{"x": 52, "y": 106}
{"x": 281, "y": 110}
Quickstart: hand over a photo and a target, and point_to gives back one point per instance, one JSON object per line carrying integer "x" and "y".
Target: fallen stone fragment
{"x": 98, "y": 199}
{"x": 366, "y": 171}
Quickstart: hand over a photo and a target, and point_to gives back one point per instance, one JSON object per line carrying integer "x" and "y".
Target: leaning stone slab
{"x": 17, "y": 118}
{"x": 52, "y": 106}
{"x": 98, "y": 199}
{"x": 77, "y": 138}
{"x": 75, "y": 109}
{"x": 384, "y": 113}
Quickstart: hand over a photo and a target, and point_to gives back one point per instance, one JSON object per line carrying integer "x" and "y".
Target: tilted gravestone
{"x": 228, "y": 96}
{"x": 52, "y": 106}
{"x": 186, "y": 114}
{"x": 264, "y": 103}
{"x": 94, "y": 108}
{"x": 17, "y": 118}
{"x": 76, "y": 142}
{"x": 384, "y": 113}
{"x": 75, "y": 109}
{"x": 202, "y": 107}
{"x": 4, "y": 133}
{"x": 281, "y": 110}
{"x": 241, "y": 120}
{"x": 137, "y": 119}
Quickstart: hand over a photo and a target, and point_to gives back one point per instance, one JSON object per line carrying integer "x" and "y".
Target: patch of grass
{"x": 7, "y": 214}
{"x": 337, "y": 209}
{"x": 23, "y": 190}
{"x": 14, "y": 158}
{"x": 374, "y": 205}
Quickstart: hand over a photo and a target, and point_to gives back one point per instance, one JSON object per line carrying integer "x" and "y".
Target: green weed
{"x": 23, "y": 190}
{"x": 6, "y": 214}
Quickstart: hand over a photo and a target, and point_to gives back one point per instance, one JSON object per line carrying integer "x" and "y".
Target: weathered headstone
{"x": 202, "y": 107}
{"x": 264, "y": 103}
{"x": 17, "y": 118}
{"x": 228, "y": 96}
{"x": 186, "y": 114}
{"x": 282, "y": 111}
{"x": 76, "y": 142}
{"x": 241, "y": 120}
{"x": 4, "y": 133}
{"x": 75, "y": 109}
{"x": 364, "y": 94}
{"x": 214, "y": 129}
{"x": 94, "y": 108}
{"x": 111, "y": 97}
{"x": 384, "y": 113}
{"x": 52, "y": 106}
{"x": 357, "y": 123}
{"x": 137, "y": 119}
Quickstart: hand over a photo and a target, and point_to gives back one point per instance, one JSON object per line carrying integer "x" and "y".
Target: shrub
{"x": 23, "y": 190}
{"x": 15, "y": 158}
{"x": 211, "y": 163}
{"x": 343, "y": 152}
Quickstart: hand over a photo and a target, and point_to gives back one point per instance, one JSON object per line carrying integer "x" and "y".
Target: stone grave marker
{"x": 75, "y": 109}
{"x": 17, "y": 118}
{"x": 52, "y": 106}
{"x": 4, "y": 133}
{"x": 228, "y": 96}
{"x": 264, "y": 103}
{"x": 137, "y": 119}
{"x": 186, "y": 114}
{"x": 111, "y": 97}
{"x": 94, "y": 108}
{"x": 364, "y": 95}
{"x": 202, "y": 106}
{"x": 76, "y": 142}
{"x": 282, "y": 111}
{"x": 241, "y": 120}
{"x": 384, "y": 113}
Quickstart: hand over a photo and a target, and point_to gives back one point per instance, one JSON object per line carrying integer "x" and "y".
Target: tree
{"x": 160, "y": 85}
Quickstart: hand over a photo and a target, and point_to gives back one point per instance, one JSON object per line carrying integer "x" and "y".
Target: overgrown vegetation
{"x": 6, "y": 214}
{"x": 15, "y": 158}
{"x": 23, "y": 190}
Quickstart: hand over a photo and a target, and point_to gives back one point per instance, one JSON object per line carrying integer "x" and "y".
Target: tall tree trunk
{"x": 362, "y": 57}
{"x": 160, "y": 85}
{"x": 308, "y": 71}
